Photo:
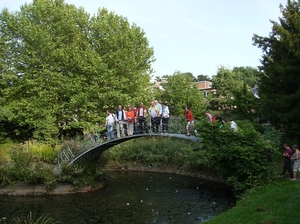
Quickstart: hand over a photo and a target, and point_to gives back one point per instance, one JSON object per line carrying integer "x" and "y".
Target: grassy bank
{"x": 274, "y": 203}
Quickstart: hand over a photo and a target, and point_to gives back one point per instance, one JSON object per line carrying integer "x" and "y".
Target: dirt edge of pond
{"x": 164, "y": 169}
{"x": 23, "y": 189}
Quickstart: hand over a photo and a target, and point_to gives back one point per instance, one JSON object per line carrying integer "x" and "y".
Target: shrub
{"x": 161, "y": 151}
{"x": 80, "y": 174}
{"x": 42, "y": 152}
{"x": 242, "y": 158}
{"x": 22, "y": 168}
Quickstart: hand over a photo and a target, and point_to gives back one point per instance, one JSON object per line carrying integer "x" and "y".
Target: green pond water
{"x": 130, "y": 197}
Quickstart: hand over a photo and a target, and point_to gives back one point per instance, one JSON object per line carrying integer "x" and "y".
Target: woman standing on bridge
{"x": 110, "y": 120}
{"x": 130, "y": 120}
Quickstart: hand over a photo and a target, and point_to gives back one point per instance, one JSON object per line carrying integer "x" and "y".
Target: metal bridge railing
{"x": 176, "y": 125}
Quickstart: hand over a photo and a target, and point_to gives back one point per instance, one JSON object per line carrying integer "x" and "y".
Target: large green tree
{"x": 280, "y": 82}
{"x": 68, "y": 67}
{"x": 202, "y": 77}
{"x": 248, "y": 74}
{"x": 180, "y": 91}
{"x": 233, "y": 95}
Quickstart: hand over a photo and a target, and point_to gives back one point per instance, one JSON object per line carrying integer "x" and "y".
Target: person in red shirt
{"x": 135, "y": 123}
{"x": 190, "y": 119}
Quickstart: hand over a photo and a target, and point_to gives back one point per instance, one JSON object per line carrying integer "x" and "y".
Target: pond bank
{"x": 164, "y": 169}
{"x": 23, "y": 189}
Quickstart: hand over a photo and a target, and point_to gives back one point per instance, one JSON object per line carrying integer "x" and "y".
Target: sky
{"x": 196, "y": 36}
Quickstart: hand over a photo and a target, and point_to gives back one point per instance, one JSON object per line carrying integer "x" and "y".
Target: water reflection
{"x": 130, "y": 197}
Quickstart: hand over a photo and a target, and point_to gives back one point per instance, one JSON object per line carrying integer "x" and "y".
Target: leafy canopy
{"x": 180, "y": 91}
{"x": 61, "y": 68}
{"x": 233, "y": 95}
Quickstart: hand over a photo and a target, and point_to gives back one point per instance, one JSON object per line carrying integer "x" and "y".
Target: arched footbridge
{"x": 94, "y": 144}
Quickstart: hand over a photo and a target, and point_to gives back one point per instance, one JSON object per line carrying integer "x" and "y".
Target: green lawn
{"x": 278, "y": 203}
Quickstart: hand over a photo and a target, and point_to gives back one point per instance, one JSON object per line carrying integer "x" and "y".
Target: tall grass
{"x": 41, "y": 152}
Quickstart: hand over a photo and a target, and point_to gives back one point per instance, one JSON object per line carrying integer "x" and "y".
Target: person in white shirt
{"x": 158, "y": 118}
{"x": 154, "y": 113}
{"x": 109, "y": 123}
{"x": 120, "y": 120}
{"x": 165, "y": 118}
{"x": 233, "y": 125}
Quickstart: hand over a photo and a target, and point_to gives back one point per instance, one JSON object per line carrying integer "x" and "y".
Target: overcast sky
{"x": 196, "y": 36}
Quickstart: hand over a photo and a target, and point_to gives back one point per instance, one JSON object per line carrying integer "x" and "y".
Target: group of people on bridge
{"x": 134, "y": 120}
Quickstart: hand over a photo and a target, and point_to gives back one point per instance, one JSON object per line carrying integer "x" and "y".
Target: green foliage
{"x": 233, "y": 96}
{"x": 181, "y": 92}
{"x": 243, "y": 158}
{"x": 30, "y": 219}
{"x": 279, "y": 88}
{"x": 248, "y": 74}
{"x": 61, "y": 67}
{"x": 273, "y": 137}
{"x": 203, "y": 78}
{"x": 42, "y": 152}
{"x": 158, "y": 151}
{"x": 24, "y": 165}
{"x": 4, "y": 157}
{"x": 80, "y": 174}
{"x": 24, "y": 170}
{"x": 28, "y": 163}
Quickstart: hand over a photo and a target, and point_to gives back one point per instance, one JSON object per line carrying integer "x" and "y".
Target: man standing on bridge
{"x": 141, "y": 117}
{"x": 154, "y": 113}
{"x": 109, "y": 123}
{"x": 159, "y": 116}
{"x": 121, "y": 116}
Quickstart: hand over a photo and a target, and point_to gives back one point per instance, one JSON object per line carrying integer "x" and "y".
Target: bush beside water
{"x": 35, "y": 163}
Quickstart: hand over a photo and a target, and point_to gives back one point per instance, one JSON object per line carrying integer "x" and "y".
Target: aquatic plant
{"x": 30, "y": 219}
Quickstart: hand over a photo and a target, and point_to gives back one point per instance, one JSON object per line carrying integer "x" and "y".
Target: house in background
{"x": 206, "y": 87}
{"x": 203, "y": 86}
{"x": 157, "y": 84}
